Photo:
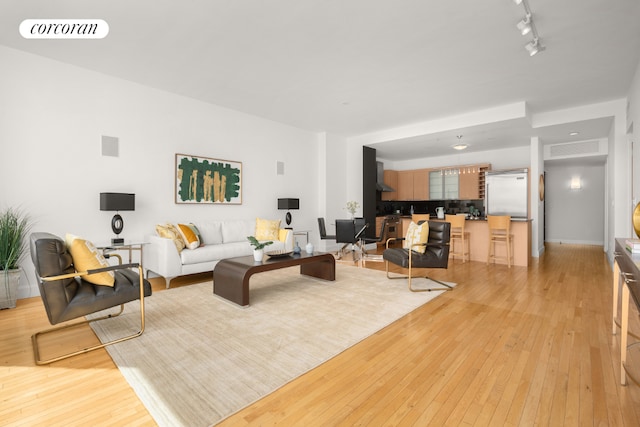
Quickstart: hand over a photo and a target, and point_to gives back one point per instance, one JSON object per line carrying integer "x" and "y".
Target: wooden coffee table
{"x": 231, "y": 276}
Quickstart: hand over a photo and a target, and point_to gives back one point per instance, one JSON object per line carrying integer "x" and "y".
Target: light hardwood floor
{"x": 519, "y": 346}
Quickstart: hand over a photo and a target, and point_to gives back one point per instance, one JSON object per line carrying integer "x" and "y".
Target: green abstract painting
{"x": 206, "y": 180}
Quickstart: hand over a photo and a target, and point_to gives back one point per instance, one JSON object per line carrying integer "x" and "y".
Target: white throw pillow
{"x": 237, "y": 230}
{"x": 210, "y": 232}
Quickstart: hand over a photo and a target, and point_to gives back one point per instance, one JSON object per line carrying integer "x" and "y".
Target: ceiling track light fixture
{"x": 526, "y": 26}
{"x": 534, "y": 47}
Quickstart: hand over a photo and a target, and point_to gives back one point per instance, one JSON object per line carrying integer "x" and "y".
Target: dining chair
{"x": 323, "y": 231}
{"x": 368, "y": 240}
{"x": 346, "y": 234}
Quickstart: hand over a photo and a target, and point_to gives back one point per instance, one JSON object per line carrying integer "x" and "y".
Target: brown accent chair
{"x": 436, "y": 255}
{"x": 67, "y": 296}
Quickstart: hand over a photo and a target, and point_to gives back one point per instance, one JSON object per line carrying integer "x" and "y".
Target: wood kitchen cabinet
{"x": 391, "y": 179}
{"x": 444, "y": 184}
{"x": 450, "y": 183}
{"x": 413, "y": 185}
{"x": 405, "y": 185}
{"x": 421, "y": 184}
{"x": 468, "y": 182}
{"x": 472, "y": 181}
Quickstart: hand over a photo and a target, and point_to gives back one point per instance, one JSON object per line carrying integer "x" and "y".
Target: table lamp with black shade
{"x": 288, "y": 204}
{"x": 117, "y": 202}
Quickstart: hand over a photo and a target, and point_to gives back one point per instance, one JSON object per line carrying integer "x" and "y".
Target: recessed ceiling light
{"x": 573, "y": 133}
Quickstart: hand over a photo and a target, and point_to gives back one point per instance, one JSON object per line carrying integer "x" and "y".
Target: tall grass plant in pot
{"x": 14, "y": 227}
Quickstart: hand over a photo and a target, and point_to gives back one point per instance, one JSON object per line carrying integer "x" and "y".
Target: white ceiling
{"x": 353, "y": 67}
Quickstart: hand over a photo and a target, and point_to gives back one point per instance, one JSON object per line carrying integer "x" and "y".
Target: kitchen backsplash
{"x": 428, "y": 206}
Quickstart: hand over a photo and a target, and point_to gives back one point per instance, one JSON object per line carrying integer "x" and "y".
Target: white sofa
{"x": 220, "y": 239}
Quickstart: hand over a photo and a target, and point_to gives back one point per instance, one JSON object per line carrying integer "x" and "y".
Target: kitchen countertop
{"x": 433, "y": 217}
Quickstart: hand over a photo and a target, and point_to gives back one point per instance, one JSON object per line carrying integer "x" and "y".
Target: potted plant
{"x": 258, "y": 247}
{"x": 352, "y": 207}
{"x": 14, "y": 226}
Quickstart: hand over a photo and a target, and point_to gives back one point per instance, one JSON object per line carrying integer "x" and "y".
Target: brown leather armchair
{"x": 436, "y": 255}
{"x": 67, "y": 296}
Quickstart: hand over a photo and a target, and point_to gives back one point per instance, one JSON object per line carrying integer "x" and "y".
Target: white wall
{"x": 536, "y": 206}
{"x": 577, "y": 216}
{"x": 633, "y": 131}
{"x": 333, "y": 185}
{"x": 508, "y": 158}
{"x": 52, "y": 116}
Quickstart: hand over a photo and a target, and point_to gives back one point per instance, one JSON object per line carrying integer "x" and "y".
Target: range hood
{"x": 380, "y": 185}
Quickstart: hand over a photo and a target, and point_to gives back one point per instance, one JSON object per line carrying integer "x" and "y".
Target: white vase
{"x": 9, "y": 282}
{"x": 258, "y": 254}
{"x": 309, "y": 248}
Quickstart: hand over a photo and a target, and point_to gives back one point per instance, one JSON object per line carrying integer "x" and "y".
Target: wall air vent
{"x": 575, "y": 149}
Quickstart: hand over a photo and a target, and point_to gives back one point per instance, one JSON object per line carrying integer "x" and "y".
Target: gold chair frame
{"x": 34, "y": 337}
{"x": 410, "y": 275}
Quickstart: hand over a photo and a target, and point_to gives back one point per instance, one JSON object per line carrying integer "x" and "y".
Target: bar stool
{"x": 500, "y": 232}
{"x": 457, "y": 233}
{"x": 420, "y": 217}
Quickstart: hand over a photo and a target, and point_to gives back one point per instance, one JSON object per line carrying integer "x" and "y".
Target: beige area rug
{"x": 202, "y": 358}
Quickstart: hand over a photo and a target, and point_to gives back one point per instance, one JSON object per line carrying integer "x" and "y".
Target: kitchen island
{"x": 478, "y": 230}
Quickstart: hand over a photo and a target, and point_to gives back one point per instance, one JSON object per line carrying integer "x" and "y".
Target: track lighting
{"x": 526, "y": 26}
{"x": 534, "y": 47}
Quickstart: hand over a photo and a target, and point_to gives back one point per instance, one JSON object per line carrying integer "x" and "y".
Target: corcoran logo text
{"x": 64, "y": 29}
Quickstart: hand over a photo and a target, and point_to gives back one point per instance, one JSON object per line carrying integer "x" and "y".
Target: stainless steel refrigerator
{"x": 506, "y": 193}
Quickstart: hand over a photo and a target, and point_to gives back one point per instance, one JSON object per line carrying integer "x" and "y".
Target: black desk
{"x": 626, "y": 267}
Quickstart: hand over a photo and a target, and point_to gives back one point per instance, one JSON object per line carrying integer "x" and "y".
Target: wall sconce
{"x": 576, "y": 183}
{"x": 288, "y": 204}
{"x": 117, "y": 202}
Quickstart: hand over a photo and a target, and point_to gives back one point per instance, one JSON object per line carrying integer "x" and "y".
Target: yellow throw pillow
{"x": 416, "y": 234}
{"x": 267, "y": 229}
{"x": 168, "y": 231}
{"x": 190, "y": 238}
{"x": 87, "y": 257}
